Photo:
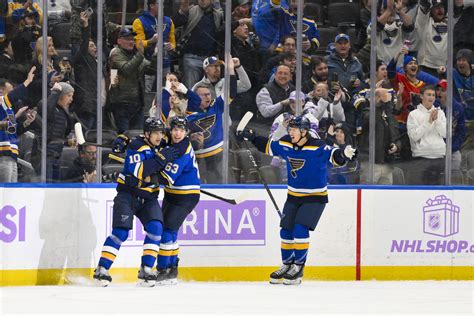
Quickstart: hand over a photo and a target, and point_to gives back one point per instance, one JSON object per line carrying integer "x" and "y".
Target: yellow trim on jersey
{"x": 167, "y": 177}
{"x": 108, "y": 255}
{"x": 168, "y": 253}
{"x": 286, "y": 246}
{"x": 298, "y": 194}
{"x": 182, "y": 191}
{"x": 7, "y": 101}
{"x": 286, "y": 144}
{"x": 210, "y": 153}
{"x": 188, "y": 150}
{"x": 310, "y": 147}
{"x": 9, "y": 148}
{"x": 140, "y": 171}
{"x": 150, "y": 252}
{"x": 302, "y": 246}
{"x": 268, "y": 148}
{"x": 143, "y": 148}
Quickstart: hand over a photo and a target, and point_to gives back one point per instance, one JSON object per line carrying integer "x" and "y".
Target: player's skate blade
{"x": 276, "y": 277}
{"x": 146, "y": 277}
{"x": 102, "y": 277}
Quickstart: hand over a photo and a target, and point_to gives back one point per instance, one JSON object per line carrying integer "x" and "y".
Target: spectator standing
{"x": 426, "y": 128}
{"x": 59, "y": 125}
{"x": 24, "y": 41}
{"x": 199, "y": 38}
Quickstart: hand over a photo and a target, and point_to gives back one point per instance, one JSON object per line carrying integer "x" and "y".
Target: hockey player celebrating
{"x": 306, "y": 159}
{"x": 182, "y": 190}
{"x": 138, "y": 195}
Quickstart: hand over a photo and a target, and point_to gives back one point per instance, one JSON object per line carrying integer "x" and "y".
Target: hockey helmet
{"x": 180, "y": 122}
{"x": 300, "y": 122}
{"x": 153, "y": 124}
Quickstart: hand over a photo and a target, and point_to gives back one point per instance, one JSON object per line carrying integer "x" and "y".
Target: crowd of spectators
{"x": 410, "y": 92}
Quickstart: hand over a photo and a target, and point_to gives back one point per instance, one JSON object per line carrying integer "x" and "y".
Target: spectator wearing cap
{"x": 126, "y": 101}
{"x": 463, "y": 77}
{"x": 213, "y": 80}
{"x": 59, "y": 126}
{"x": 426, "y": 126}
{"x": 459, "y": 122}
{"x": 348, "y": 68}
{"x": 209, "y": 121}
{"x": 289, "y": 18}
{"x": 273, "y": 97}
{"x": 24, "y": 41}
{"x": 393, "y": 27}
{"x": 325, "y": 105}
{"x": 432, "y": 31}
{"x": 241, "y": 11}
{"x": 18, "y": 9}
{"x": 198, "y": 41}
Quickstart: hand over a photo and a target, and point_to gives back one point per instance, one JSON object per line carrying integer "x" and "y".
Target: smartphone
{"x": 89, "y": 12}
{"x": 335, "y": 76}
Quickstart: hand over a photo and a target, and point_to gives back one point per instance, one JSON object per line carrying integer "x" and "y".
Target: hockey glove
{"x": 350, "y": 152}
{"x": 166, "y": 155}
{"x": 119, "y": 145}
{"x": 246, "y": 134}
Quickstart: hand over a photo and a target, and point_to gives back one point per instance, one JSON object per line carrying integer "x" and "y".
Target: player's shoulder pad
{"x": 137, "y": 144}
{"x": 285, "y": 138}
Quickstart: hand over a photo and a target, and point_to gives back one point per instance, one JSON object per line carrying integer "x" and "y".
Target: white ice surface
{"x": 244, "y": 298}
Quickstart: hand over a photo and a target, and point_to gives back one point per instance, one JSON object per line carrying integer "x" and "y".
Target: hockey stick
{"x": 238, "y": 200}
{"x": 80, "y": 137}
{"x": 243, "y": 122}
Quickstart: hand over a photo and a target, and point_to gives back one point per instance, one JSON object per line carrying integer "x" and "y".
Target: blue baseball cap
{"x": 341, "y": 36}
{"x": 125, "y": 32}
{"x": 211, "y": 61}
{"x": 408, "y": 59}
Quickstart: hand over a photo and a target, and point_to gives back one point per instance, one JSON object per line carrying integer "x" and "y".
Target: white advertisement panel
{"x": 417, "y": 228}
{"x": 56, "y": 228}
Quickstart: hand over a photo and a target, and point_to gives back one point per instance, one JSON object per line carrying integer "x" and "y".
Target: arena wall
{"x": 54, "y": 235}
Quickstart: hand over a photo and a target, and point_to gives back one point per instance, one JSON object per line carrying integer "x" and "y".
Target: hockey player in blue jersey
{"x": 182, "y": 189}
{"x": 307, "y": 160}
{"x": 137, "y": 196}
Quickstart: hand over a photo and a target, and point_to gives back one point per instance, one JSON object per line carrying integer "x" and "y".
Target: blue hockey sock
{"x": 287, "y": 246}
{"x": 151, "y": 244}
{"x": 167, "y": 245}
{"x": 301, "y": 234}
{"x": 175, "y": 250}
{"x": 112, "y": 246}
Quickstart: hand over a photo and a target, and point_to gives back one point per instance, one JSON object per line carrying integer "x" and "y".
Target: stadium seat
{"x": 25, "y": 144}
{"x": 469, "y": 158}
{"x": 314, "y": 11}
{"x": 320, "y": 2}
{"x": 348, "y": 12}
{"x": 327, "y": 35}
{"x": 270, "y": 174}
{"x": 67, "y": 158}
{"x": 108, "y": 136}
{"x": 110, "y": 169}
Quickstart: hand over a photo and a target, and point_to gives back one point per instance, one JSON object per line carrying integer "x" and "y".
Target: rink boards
{"x": 54, "y": 235}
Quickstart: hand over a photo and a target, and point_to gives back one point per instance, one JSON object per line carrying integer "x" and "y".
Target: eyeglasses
{"x": 90, "y": 152}
{"x": 205, "y": 95}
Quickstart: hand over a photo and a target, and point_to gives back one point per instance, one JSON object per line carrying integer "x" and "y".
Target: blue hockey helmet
{"x": 153, "y": 124}
{"x": 180, "y": 122}
{"x": 300, "y": 122}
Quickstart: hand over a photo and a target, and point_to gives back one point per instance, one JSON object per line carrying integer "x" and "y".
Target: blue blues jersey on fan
{"x": 209, "y": 122}
{"x": 310, "y": 28}
{"x": 182, "y": 175}
{"x": 266, "y": 19}
{"x": 306, "y": 166}
{"x": 138, "y": 167}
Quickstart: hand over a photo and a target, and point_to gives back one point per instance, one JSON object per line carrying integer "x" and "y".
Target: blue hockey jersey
{"x": 182, "y": 175}
{"x": 139, "y": 165}
{"x": 306, "y": 167}
{"x": 266, "y": 18}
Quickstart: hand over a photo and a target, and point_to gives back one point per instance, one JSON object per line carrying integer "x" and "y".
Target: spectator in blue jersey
{"x": 213, "y": 80}
{"x": 347, "y": 66}
{"x": 459, "y": 122}
{"x": 310, "y": 36}
{"x": 198, "y": 40}
{"x": 463, "y": 77}
{"x": 17, "y": 9}
{"x": 307, "y": 159}
{"x": 12, "y": 124}
{"x": 137, "y": 195}
{"x": 182, "y": 188}
{"x": 209, "y": 121}
{"x": 266, "y": 19}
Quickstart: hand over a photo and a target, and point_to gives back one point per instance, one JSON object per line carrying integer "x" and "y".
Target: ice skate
{"x": 162, "y": 276}
{"x": 146, "y": 277}
{"x": 294, "y": 275}
{"x": 102, "y": 277}
{"x": 173, "y": 275}
{"x": 277, "y": 276}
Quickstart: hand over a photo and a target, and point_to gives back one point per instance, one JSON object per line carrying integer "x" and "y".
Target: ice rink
{"x": 245, "y": 298}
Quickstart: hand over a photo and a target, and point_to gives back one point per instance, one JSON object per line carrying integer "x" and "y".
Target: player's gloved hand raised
{"x": 246, "y": 134}
{"x": 350, "y": 152}
{"x": 120, "y": 144}
{"x": 166, "y": 155}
